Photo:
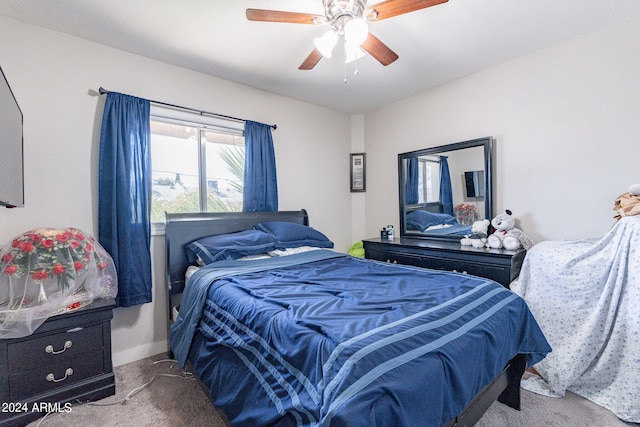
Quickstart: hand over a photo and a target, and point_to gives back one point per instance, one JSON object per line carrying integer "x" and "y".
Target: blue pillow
{"x": 292, "y": 235}
{"x": 421, "y": 219}
{"x": 229, "y": 246}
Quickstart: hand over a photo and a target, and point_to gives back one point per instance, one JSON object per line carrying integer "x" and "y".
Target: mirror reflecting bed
{"x": 444, "y": 190}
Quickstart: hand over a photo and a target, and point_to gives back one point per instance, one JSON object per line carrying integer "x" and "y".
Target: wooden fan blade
{"x": 314, "y": 57}
{"x": 279, "y": 16}
{"x": 391, "y": 8}
{"x": 379, "y": 50}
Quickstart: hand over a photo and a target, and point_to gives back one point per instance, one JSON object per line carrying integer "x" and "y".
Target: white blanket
{"x": 585, "y": 295}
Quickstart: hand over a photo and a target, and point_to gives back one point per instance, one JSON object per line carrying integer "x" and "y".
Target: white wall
{"x": 566, "y": 128}
{"x": 55, "y": 78}
{"x": 358, "y": 205}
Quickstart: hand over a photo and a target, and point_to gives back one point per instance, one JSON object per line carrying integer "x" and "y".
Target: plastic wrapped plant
{"x": 47, "y": 271}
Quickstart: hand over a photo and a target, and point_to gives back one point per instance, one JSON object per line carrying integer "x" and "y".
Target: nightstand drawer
{"x": 67, "y": 358}
{"x": 56, "y": 348}
{"x": 45, "y": 378}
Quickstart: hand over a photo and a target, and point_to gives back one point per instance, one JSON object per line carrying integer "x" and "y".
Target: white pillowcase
{"x": 275, "y": 253}
{"x": 292, "y": 251}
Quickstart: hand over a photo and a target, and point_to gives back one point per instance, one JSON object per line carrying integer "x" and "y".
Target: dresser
{"x": 500, "y": 265}
{"x": 67, "y": 358}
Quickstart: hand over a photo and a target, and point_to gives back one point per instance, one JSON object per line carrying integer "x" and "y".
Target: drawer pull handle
{"x": 49, "y": 348}
{"x": 67, "y": 374}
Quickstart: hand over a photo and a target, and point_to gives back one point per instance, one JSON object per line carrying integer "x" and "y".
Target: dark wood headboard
{"x": 435, "y": 207}
{"x": 183, "y": 228}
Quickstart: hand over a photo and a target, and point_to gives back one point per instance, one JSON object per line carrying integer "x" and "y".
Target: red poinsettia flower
{"x": 27, "y": 247}
{"x": 78, "y": 265}
{"x": 35, "y": 238}
{"x": 11, "y": 269}
{"x": 39, "y": 275}
{"x": 62, "y": 237}
{"x": 48, "y": 243}
{"x": 74, "y": 305}
{"x": 58, "y": 269}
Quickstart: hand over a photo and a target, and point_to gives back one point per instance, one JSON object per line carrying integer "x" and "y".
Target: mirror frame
{"x": 486, "y": 142}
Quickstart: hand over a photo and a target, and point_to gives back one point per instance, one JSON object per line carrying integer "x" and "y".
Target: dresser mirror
{"x": 444, "y": 190}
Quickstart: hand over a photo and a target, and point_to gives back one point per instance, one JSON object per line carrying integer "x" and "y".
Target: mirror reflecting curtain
{"x": 443, "y": 190}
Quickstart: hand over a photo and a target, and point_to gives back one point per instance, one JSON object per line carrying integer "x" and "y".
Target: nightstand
{"x": 67, "y": 358}
{"x": 500, "y": 265}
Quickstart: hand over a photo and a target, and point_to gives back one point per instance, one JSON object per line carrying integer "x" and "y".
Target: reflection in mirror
{"x": 444, "y": 190}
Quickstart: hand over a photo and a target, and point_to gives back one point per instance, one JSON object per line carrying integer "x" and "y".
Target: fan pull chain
{"x": 355, "y": 71}
{"x": 345, "y": 72}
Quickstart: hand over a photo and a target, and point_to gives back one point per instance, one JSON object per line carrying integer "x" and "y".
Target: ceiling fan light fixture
{"x": 352, "y": 52}
{"x": 326, "y": 43}
{"x": 356, "y": 31}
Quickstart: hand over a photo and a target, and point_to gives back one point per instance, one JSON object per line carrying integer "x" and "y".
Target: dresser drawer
{"x": 49, "y": 349}
{"x": 42, "y": 379}
{"x": 497, "y": 273}
{"x": 499, "y": 265}
{"x": 395, "y": 257}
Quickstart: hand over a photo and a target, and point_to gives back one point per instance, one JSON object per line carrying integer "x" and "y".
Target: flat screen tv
{"x": 474, "y": 183}
{"x": 11, "y": 152}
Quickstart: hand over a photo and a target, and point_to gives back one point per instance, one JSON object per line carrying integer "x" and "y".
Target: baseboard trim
{"x": 139, "y": 352}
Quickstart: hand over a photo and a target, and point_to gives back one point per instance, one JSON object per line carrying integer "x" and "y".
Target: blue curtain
{"x": 446, "y": 195}
{"x": 124, "y": 191}
{"x": 411, "y": 188}
{"x": 260, "y": 183}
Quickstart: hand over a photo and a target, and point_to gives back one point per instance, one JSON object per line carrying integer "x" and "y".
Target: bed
{"x": 321, "y": 338}
{"x": 429, "y": 218}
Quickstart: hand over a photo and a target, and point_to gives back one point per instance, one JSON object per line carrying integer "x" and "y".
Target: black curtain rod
{"x": 103, "y": 91}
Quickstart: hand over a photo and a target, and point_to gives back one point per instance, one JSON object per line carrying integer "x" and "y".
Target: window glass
{"x": 195, "y": 168}
{"x": 174, "y": 170}
{"x": 225, "y": 171}
{"x": 426, "y": 178}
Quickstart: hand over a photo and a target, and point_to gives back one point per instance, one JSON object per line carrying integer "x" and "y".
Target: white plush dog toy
{"x": 479, "y": 237}
{"x": 507, "y": 235}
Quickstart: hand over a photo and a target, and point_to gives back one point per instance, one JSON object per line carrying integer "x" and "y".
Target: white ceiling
{"x": 435, "y": 45}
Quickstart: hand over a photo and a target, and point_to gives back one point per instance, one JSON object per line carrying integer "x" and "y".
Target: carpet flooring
{"x": 173, "y": 400}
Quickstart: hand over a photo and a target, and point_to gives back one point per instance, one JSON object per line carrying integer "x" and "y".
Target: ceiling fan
{"x": 348, "y": 19}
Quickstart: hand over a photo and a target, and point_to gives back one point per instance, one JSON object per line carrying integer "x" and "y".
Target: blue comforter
{"x": 321, "y": 338}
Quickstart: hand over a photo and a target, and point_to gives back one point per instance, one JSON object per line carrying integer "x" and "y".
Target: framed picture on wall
{"x": 358, "y": 172}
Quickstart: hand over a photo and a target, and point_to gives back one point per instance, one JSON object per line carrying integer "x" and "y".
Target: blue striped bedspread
{"x": 321, "y": 338}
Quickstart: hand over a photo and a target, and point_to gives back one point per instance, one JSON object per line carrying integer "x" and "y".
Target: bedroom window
{"x": 197, "y": 164}
{"x": 428, "y": 173}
